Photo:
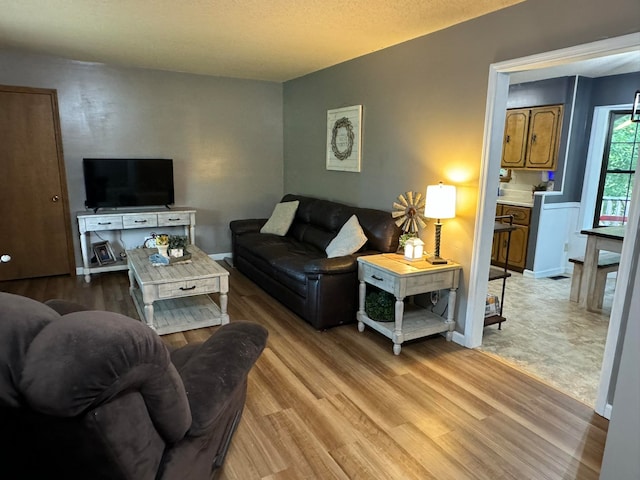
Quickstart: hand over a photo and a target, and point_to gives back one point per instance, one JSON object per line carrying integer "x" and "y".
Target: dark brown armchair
{"x": 97, "y": 395}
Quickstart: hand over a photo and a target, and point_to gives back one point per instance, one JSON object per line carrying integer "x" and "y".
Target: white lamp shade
{"x": 440, "y": 201}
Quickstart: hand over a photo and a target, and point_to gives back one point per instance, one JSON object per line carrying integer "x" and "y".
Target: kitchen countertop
{"x": 515, "y": 203}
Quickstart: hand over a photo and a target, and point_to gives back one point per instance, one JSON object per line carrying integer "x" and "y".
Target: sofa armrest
{"x": 218, "y": 367}
{"x": 344, "y": 264}
{"x": 240, "y": 227}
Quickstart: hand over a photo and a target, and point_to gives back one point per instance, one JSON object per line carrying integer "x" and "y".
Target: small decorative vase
{"x": 163, "y": 249}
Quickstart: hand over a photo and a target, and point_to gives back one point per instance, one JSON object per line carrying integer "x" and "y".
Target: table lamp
{"x": 440, "y": 203}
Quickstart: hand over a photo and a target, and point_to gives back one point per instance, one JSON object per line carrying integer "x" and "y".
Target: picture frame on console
{"x": 103, "y": 253}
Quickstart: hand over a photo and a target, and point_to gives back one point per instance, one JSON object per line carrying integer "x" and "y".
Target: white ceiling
{"x": 273, "y": 40}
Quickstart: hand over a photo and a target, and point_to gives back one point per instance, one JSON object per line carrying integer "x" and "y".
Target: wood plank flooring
{"x": 339, "y": 405}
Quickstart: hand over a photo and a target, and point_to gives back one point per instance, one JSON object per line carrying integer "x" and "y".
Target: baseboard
{"x": 552, "y": 272}
{"x": 220, "y": 256}
{"x": 458, "y": 338}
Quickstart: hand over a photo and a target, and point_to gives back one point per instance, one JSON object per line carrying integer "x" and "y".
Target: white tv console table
{"x": 127, "y": 219}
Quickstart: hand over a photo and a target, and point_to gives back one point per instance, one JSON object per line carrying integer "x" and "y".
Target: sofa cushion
{"x": 283, "y": 258}
{"x": 281, "y": 218}
{"x": 349, "y": 239}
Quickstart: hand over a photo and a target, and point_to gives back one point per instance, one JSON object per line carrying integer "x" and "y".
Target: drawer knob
{"x": 104, "y": 223}
{"x": 376, "y": 278}
{"x": 184, "y": 289}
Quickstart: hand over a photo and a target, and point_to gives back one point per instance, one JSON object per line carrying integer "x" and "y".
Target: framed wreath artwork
{"x": 344, "y": 138}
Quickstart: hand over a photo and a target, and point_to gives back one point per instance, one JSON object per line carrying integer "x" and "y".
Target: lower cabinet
{"x": 519, "y": 238}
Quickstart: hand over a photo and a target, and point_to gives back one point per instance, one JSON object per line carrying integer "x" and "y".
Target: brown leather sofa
{"x": 294, "y": 268}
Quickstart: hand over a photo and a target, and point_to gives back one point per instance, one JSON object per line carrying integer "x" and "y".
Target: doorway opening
{"x": 544, "y": 66}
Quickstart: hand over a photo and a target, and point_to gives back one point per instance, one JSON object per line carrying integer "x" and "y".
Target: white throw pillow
{"x": 349, "y": 240}
{"x": 281, "y": 218}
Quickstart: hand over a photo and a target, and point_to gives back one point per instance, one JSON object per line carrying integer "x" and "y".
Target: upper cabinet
{"x": 532, "y": 137}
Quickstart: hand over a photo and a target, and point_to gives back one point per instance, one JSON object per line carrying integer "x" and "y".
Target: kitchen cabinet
{"x": 532, "y": 137}
{"x": 516, "y": 249}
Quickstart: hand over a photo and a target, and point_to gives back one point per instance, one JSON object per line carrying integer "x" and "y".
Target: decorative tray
{"x": 158, "y": 260}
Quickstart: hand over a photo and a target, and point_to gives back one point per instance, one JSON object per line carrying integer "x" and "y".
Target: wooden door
{"x": 35, "y": 227}
{"x": 515, "y": 138}
{"x": 544, "y": 133}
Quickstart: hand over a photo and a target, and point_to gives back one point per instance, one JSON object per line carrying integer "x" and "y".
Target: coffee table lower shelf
{"x": 180, "y": 314}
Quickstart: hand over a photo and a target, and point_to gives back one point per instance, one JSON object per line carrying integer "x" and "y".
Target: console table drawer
{"x": 140, "y": 221}
{"x": 173, "y": 218}
{"x": 188, "y": 288}
{"x": 103, "y": 223}
{"x": 431, "y": 283}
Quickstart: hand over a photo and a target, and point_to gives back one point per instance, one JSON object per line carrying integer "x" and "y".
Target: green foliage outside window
{"x": 619, "y": 166}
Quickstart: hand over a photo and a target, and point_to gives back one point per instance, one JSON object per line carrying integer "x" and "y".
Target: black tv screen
{"x": 128, "y": 182}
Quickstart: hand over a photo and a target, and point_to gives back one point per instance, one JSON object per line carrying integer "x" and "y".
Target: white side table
{"x": 392, "y": 273}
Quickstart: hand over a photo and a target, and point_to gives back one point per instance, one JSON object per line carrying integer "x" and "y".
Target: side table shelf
{"x": 504, "y": 224}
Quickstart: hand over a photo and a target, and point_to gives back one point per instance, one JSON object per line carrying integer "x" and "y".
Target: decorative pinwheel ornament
{"x": 409, "y": 212}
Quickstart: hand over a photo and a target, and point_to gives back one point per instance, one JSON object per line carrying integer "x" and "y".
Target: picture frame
{"x": 103, "y": 253}
{"x": 344, "y": 138}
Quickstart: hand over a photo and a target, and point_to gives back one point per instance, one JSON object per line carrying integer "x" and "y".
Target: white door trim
{"x": 497, "y": 94}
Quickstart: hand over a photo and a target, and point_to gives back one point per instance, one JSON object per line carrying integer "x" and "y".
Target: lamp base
{"x": 436, "y": 260}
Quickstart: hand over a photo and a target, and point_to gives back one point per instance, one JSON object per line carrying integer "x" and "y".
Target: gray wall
{"x": 424, "y": 104}
{"x": 591, "y": 92}
{"x": 224, "y": 135}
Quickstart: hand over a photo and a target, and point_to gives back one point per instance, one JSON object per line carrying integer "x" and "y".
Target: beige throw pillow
{"x": 281, "y": 218}
{"x": 349, "y": 240}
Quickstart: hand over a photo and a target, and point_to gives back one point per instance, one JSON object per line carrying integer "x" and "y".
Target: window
{"x": 618, "y": 169}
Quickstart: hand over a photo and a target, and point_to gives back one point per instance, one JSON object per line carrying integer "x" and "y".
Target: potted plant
{"x": 405, "y": 237}
{"x": 380, "y": 306}
{"x": 177, "y": 245}
{"x": 162, "y": 244}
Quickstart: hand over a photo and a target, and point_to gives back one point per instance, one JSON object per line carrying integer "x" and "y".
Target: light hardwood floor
{"x": 339, "y": 405}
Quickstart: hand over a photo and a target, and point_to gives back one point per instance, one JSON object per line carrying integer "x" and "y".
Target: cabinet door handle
{"x": 533, "y": 138}
{"x": 506, "y": 140}
{"x": 376, "y": 278}
{"x": 184, "y": 289}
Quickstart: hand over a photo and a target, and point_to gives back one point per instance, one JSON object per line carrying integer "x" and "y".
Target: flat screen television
{"x": 128, "y": 182}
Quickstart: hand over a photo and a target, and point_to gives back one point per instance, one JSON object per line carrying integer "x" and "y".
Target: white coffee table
{"x": 174, "y": 298}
